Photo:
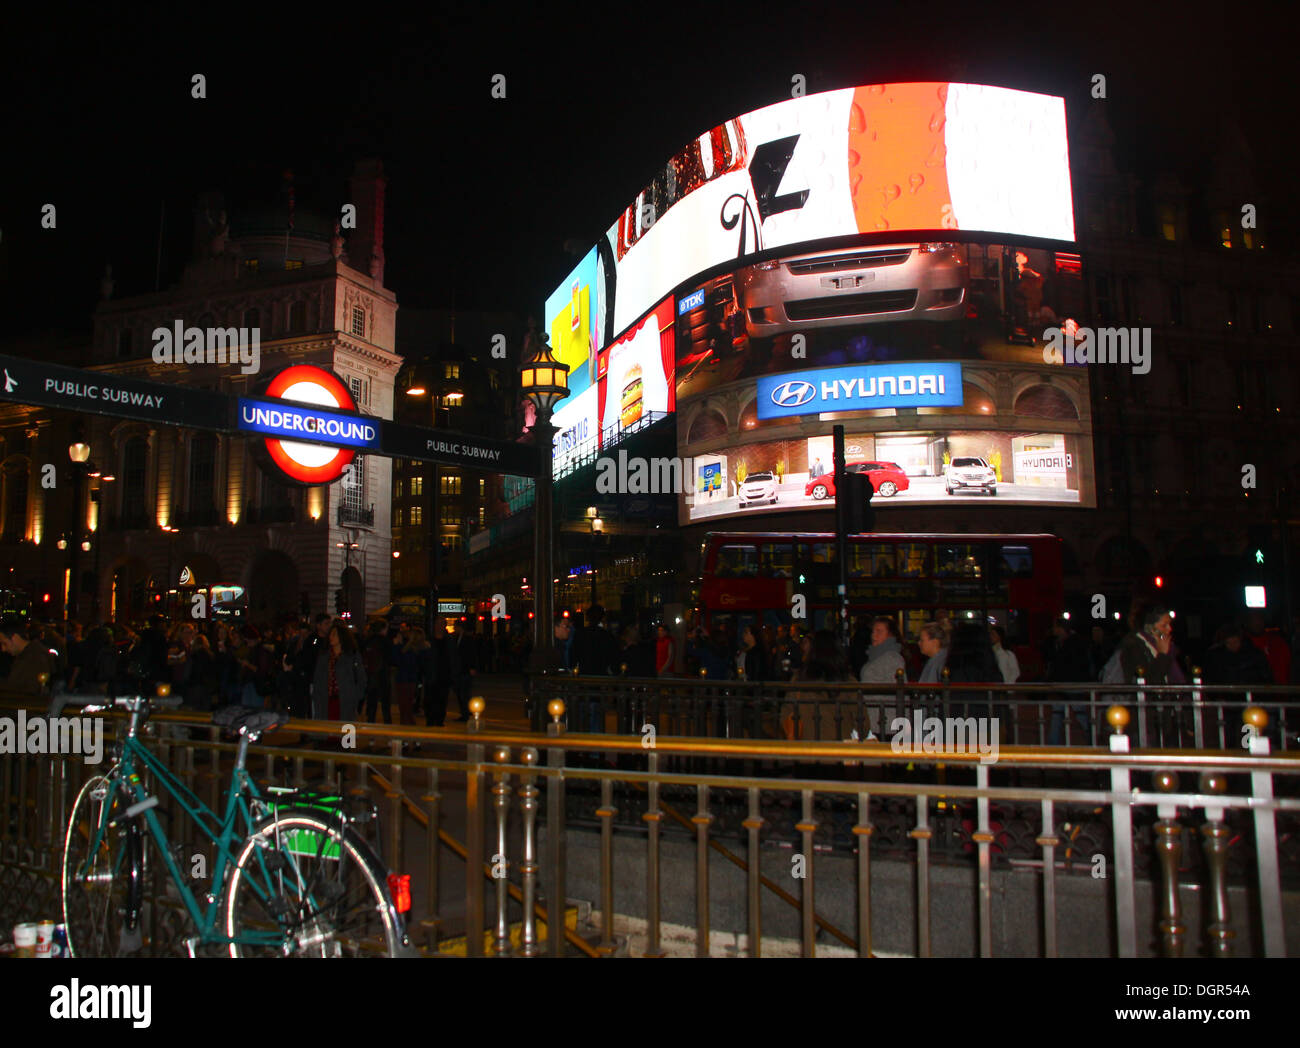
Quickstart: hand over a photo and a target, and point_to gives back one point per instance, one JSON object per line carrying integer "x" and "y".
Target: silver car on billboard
{"x": 756, "y": 488}
{"x": 878, "y": 284}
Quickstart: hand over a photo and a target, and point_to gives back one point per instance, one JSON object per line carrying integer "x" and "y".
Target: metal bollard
{"x": 474, "y": 833}
{"x": 555, "y": 834}
{"x": 1169, "y": 846}
{"x": 528, "y": 867}
{"x": 500, "y": 863}
{"x": 1216, "y": 853}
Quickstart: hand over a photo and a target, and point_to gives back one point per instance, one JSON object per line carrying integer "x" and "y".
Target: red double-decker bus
{"x": 1014, "y": 581}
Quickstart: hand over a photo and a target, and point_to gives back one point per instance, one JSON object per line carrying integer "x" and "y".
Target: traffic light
{"x": 1160, "y": 582}
{"x": 856, "y": 491}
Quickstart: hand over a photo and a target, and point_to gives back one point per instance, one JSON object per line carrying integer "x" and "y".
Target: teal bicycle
{"x": 292, "y": 875}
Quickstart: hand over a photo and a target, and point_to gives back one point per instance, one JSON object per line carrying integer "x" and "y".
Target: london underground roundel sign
{"x": 310, "y": 463}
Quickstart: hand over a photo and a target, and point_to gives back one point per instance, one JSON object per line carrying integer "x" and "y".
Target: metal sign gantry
{"x": 103, "y": 393}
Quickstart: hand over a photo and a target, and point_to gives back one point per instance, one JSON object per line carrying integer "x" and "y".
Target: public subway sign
{"x": 308, "y": 417}
{"x": 450, "y": 448}
{"x": 859, "y": 388}
{"x": 105, "y": 393}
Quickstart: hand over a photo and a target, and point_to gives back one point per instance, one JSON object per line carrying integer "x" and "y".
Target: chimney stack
{"x": 366, "y": 243}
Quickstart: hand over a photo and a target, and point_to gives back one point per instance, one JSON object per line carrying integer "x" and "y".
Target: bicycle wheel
{"x": 102, "y": 882}
{"x": 304, "y": 885}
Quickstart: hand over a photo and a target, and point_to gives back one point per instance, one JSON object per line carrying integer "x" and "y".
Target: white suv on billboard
{"x": 758, "y": 487}
{"x": 868, "y": 285}
{"x": 970, "y": 473}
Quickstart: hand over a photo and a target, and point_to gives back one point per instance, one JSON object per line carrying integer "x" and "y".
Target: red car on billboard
{"x": 887, "y": 478}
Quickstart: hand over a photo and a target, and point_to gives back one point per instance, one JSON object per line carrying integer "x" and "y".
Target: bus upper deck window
{"x": 776, "y": 560}
{"x": 1017, "y": 561}
{"x": 737, "y": 562}
{"x": 958, "y": 559}
{"x": 913, "y": 560}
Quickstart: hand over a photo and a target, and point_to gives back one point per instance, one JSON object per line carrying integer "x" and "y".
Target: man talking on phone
{"x": 1151, "y": 649}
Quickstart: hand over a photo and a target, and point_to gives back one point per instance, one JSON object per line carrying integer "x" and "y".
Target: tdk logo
{"x": 793, "y": 394}
{"x": 692, "y": 301}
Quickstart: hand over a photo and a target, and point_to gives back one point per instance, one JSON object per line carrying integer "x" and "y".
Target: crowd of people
{"x": 325, "y": 668}
{"x": 965, "y": 652}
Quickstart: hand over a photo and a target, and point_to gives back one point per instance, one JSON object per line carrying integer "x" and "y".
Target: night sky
{"x": 484, "y": 194}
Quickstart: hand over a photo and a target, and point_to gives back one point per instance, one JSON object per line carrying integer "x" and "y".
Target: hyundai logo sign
{"x": 863, "y": 387}
{"x": 793, "y": 394}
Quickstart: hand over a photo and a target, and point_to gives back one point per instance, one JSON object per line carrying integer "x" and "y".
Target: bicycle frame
{"x": 221, "y": 832}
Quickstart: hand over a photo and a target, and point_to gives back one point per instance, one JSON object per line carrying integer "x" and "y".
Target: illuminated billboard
{"x": 923, "y": 301}
{"x": 955, "y": 466}
{"x": 879, "y": 160}
{"x": 575, "y": 318}
{"x": 637, "y": 375}
{"x": 634, "y": 383}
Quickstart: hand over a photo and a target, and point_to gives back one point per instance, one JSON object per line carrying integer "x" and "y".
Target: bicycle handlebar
{"x": 93, "y": 703}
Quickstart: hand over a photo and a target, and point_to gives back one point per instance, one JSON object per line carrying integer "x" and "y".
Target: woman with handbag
{"x": 340, "y": 679}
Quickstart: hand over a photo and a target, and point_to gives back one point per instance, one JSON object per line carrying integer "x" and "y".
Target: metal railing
{"x": 1241, "y": 801}
{"x": 1192, "y": 715}
{"x": 356, "y": 515}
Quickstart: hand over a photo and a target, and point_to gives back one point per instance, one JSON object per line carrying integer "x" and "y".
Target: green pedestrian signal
{"x": 1259, "y": 556}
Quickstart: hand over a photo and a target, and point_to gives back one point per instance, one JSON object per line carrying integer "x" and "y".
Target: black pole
{"x": 543, "y": 564}
{"x": 1282, "y": 515}
{"x": 75, "y": 539}
{"x": 433, "y": 540}
{"x": 841, "y": 541}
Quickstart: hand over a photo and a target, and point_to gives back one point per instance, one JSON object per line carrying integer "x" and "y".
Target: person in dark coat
{"x": 751, "y": 658}
{"x": 1234, "y": 660}
{"x": 1069, "y": 661}
{"x": 465, "y": 669}
{"x": 595, "y": 651}
{"x": 637, "y": 654}
{"x": 339, "y": 683}
{"x": 31, "y": 659}
{"x": 149, "y": 656}
{"x": 1150, "y": 649}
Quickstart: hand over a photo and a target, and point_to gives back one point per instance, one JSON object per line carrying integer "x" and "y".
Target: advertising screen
{"x": 638, "y": 373}
{"x": 634, "y": 383}
{"x": 577, "y": 427}
{"x": 575, "y": 319}
{"x": 904, "y": 467}
{"x": 878, "y": 160}
{"x": 924, "y": 301}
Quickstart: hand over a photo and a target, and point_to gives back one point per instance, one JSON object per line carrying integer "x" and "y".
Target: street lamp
{"x": 543, "y": 380}
{"x": 79, "y": 455}
{"x": 95, "y": 497}
{"x": 167, "y": 579}
{"x": 597, "y": 529}
{"x": 347, "y": 548}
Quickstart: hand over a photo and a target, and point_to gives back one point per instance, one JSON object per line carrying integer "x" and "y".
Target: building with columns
{"x": 196, "y": 505}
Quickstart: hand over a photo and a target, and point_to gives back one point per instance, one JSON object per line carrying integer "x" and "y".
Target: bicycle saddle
{"x": 245, "y": 719}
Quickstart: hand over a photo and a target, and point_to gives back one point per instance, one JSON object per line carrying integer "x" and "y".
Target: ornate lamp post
{"x": 543, "y": 380}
